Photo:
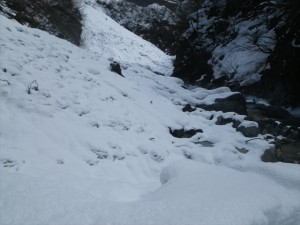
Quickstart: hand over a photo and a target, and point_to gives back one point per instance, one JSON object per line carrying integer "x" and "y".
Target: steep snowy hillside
{"x": 80, "y": 144}
{"x": 155, "y": 23}
{"x": 114, "y": 42}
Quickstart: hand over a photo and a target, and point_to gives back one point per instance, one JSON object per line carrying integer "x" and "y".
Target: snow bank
{"x": 209, "y": 195}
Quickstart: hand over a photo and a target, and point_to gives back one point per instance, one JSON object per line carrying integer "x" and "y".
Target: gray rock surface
{"x": 234, "y": 103}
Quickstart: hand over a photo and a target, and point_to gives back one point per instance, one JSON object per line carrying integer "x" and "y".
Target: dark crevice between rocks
{"x": 234, "y": 103}
{"x": 188, "y": 108}
{"x": 182, "y": 133}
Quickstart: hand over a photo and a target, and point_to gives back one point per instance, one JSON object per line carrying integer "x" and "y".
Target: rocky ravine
{"x": 240, "y": 45}
{"x": 197, "y": 66}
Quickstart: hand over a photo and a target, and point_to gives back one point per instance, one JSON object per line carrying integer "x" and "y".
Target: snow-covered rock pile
{"x": 80, "y": 144}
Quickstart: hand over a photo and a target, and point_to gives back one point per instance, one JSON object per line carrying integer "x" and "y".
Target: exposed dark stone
{"x": 234, "y": 103}
{"x": 269, "y": 126}
{"x": 285, "y": 150}
{"x": 181, "y": 133}
{"x": 222, "y": 121}
{"x": 269, "y": 156}
{"x": 249, "y": 131}
{"x": 115, "y": 67}
{"x": 289, "y": 152}
{"x": 188, "y": 108}
{"x": 60, "y": 18}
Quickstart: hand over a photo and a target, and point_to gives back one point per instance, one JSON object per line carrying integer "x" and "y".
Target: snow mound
{"x": 245, "y": 198}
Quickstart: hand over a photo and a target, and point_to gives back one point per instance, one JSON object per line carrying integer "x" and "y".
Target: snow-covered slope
{"x": 106, "y": 37}
{"x": 80, "y": 144}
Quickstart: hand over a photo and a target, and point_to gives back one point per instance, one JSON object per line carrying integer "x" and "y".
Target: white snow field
{"x": 81, "y": 145}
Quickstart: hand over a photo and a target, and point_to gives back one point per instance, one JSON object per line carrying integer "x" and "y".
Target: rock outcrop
{"x": 249, "y": 46}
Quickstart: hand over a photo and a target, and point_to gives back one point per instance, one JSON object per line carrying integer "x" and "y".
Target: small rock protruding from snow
{"x": 182, "y": 133}
{"x": 249, "y": 129}
{"x": 115, "y": 67}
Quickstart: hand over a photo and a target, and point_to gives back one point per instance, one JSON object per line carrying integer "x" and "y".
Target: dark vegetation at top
{"x": 144, "y": 3}
{"x": 60, "y": 18}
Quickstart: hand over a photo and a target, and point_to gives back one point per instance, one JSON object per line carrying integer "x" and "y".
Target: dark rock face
{"x": 275, "y": 121}
{"x": 273, "y": 111}
{"x": 184, "y": 133}
{"x": 211, "y": 26}
{"x": 288, "y": 153}
{"x": 278, "y": 123}
{"x": 60, "y": 18}
{"x": 279, "y": 83}
{"x": 191, "y": 64}
{"x": 234, "y": 103}
{"x": 269, "y": 156}
{"x": 249, "y": 131}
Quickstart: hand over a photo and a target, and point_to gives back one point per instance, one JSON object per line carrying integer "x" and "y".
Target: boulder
{"x": 269, "y": 156}
{"x": 249, "y": 129}
{"x": 234, "y": 103}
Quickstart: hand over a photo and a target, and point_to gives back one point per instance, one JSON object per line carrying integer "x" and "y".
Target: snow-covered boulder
{"x": 249, "y": 128}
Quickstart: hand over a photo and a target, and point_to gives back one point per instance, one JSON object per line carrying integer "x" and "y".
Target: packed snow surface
{"x": 80, "y": 144}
